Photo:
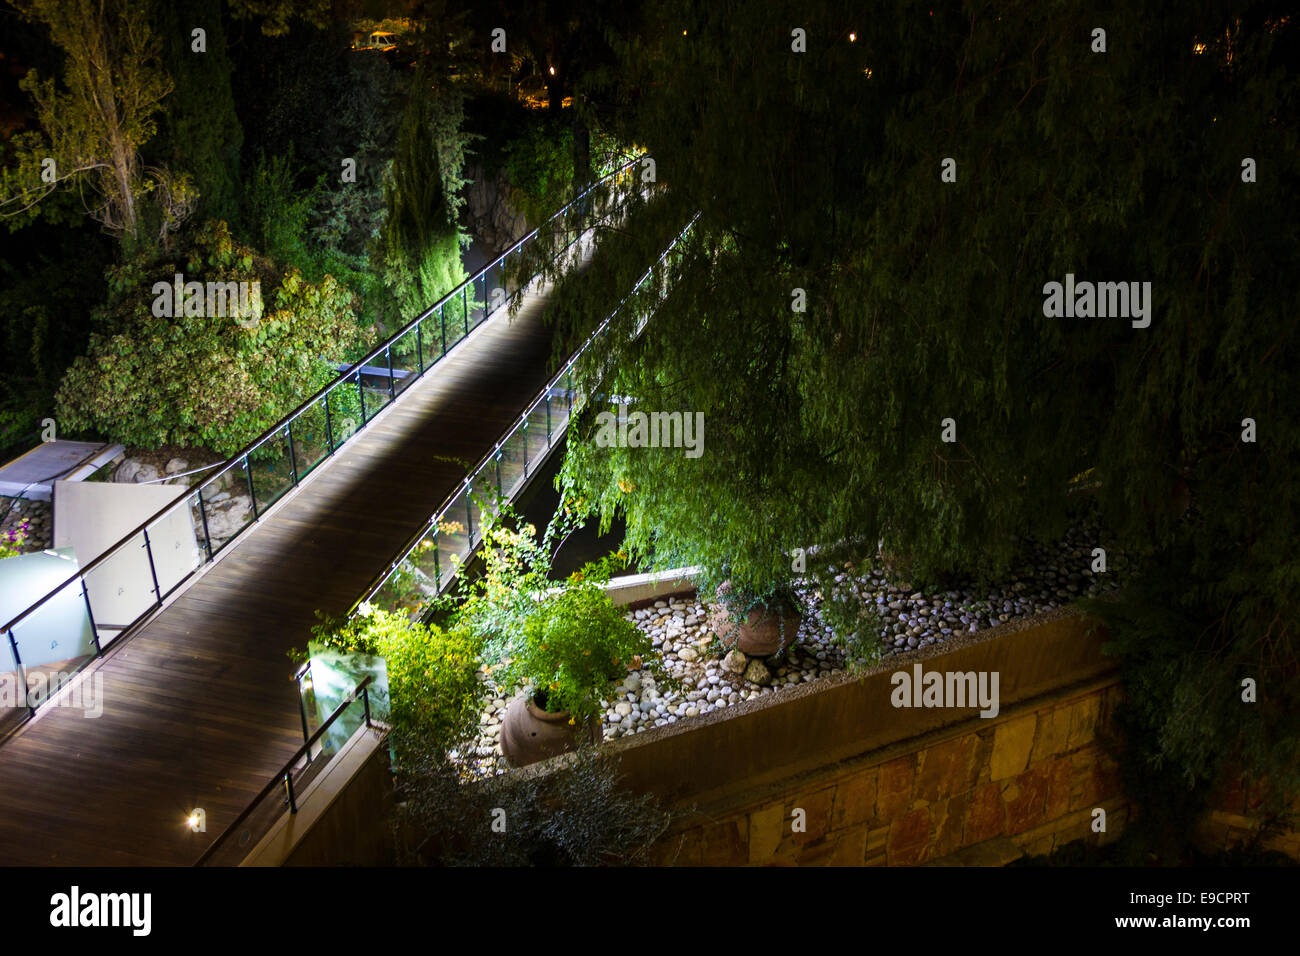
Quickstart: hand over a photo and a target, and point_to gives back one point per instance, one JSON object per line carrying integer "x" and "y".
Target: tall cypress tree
{"x": 199, "y": 132}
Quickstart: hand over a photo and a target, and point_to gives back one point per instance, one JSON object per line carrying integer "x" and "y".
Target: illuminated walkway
{"x": 199, "y": 709}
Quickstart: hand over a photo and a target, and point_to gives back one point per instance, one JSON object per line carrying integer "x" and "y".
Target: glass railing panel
{"x": 13, "y": 705}
{"x": 54, "y": 642}
{"x": 513, "y": 461}
{"x": 311, "y": 438}
{"x": 345, "y": 410}
{"x": 539, "y": 427}
{"x": 494, "y": 284}
{"x": 455, "y": 318}
{"x": 121, "y": 585}
{"x": 559, "y": 397}
{"x": 413, "y": 583}
{"x": 431, "y": 336}
{"x": 177, "y": 548}
{"x": 478, "y": 300}
{"x": 406, "y": 360}
{"x": 453, "y": 540}
{"x": 272, "y": 467}
{"x": 227, "y": 505}
{"x": 377, "y": 386}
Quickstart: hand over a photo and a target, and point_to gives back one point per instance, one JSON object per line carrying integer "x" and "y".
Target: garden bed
{"x": 709, "y": 679}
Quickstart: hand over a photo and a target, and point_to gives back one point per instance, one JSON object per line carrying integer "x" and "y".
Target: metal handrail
{"x": 377, "y": 582}
{"x": 286, "y": 772}
{"x": 242, "y": 454}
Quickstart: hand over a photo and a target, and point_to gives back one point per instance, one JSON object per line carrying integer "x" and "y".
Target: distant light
{"x": 867, "y": 72}
{"x": 1198, "y": 48}
{"x": 853, "y": 37}
{"x": 683, "y": 33}
{"x": 552, "y": 71}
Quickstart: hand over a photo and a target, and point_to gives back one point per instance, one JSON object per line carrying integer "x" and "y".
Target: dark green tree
{"x": 199, "y": 131}
{"x": 838, "y": 301}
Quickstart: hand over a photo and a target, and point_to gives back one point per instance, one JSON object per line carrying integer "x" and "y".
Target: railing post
{"x": 361, "y": 394}
{"x": 90, "y": 614}
{"x": 392, "y": 382}
{"x": 469, "y": 516}
{"x": 329, "y": 425}
{"x": 288, "y": 787}
{"x": 148, "y": 550}
{"x": 252, "y": 495}
{"x": 437, "y": 565}
{"x": 365, "y": 699}
{"x": 442, "y": 321}
{"x": 419, "y": 345}
{"x": 523, "y": 433}
{"x": 499, "y": 491}
{"x": 547, "y": 399}
{"x": 464, "y": 305}
{"x": 22, "y": 673}
{"x": 203, "y": 515}
{"x": 293, "y": 458}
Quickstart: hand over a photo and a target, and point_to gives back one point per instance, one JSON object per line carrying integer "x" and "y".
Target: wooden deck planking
{"x": 199, "y": 708}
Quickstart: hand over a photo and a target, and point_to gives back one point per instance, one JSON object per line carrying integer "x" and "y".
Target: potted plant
{"x": 559, "y": 648}
{"x": 759, "y": 619}
{"x": 573, "y": 644}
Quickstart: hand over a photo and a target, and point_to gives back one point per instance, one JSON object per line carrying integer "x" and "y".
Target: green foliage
{"x": 573, "y": 644}
{"x": 925, "y": 302}
{"x": 94, "y": 123}
{"x": 278, "y": 214}
{"x": 12, "y": 541}
{"x": 319, "y": 105}
{"x": 419, "y": 244}
{"x": 276, "y": 17}
{"x": 214, "y": 381}
{"x": 435, "y": 692}
{"x": 539, "y": 166}
{"x": 199, "y": 131}
{"x": 568, "y": 643}
{"x": 48, "y": 275}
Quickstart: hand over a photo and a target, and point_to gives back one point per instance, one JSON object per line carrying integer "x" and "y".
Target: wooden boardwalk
{"x": 199, "y": 709}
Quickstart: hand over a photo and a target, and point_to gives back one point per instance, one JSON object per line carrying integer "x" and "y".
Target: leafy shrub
{"x": 566, "y": 643}
{"x": 214, "y": 381}
{"x": 12, "y": 541}
{"x": 572, "y": 645}
{"x": 435, "y": 692}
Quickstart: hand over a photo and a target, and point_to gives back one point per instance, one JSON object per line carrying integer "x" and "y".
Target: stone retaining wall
{"x": 983, "y": 793}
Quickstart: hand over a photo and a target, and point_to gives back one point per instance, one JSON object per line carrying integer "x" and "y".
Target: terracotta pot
{"x": 760, "y": 635}
{"x": 529, "y": 733}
